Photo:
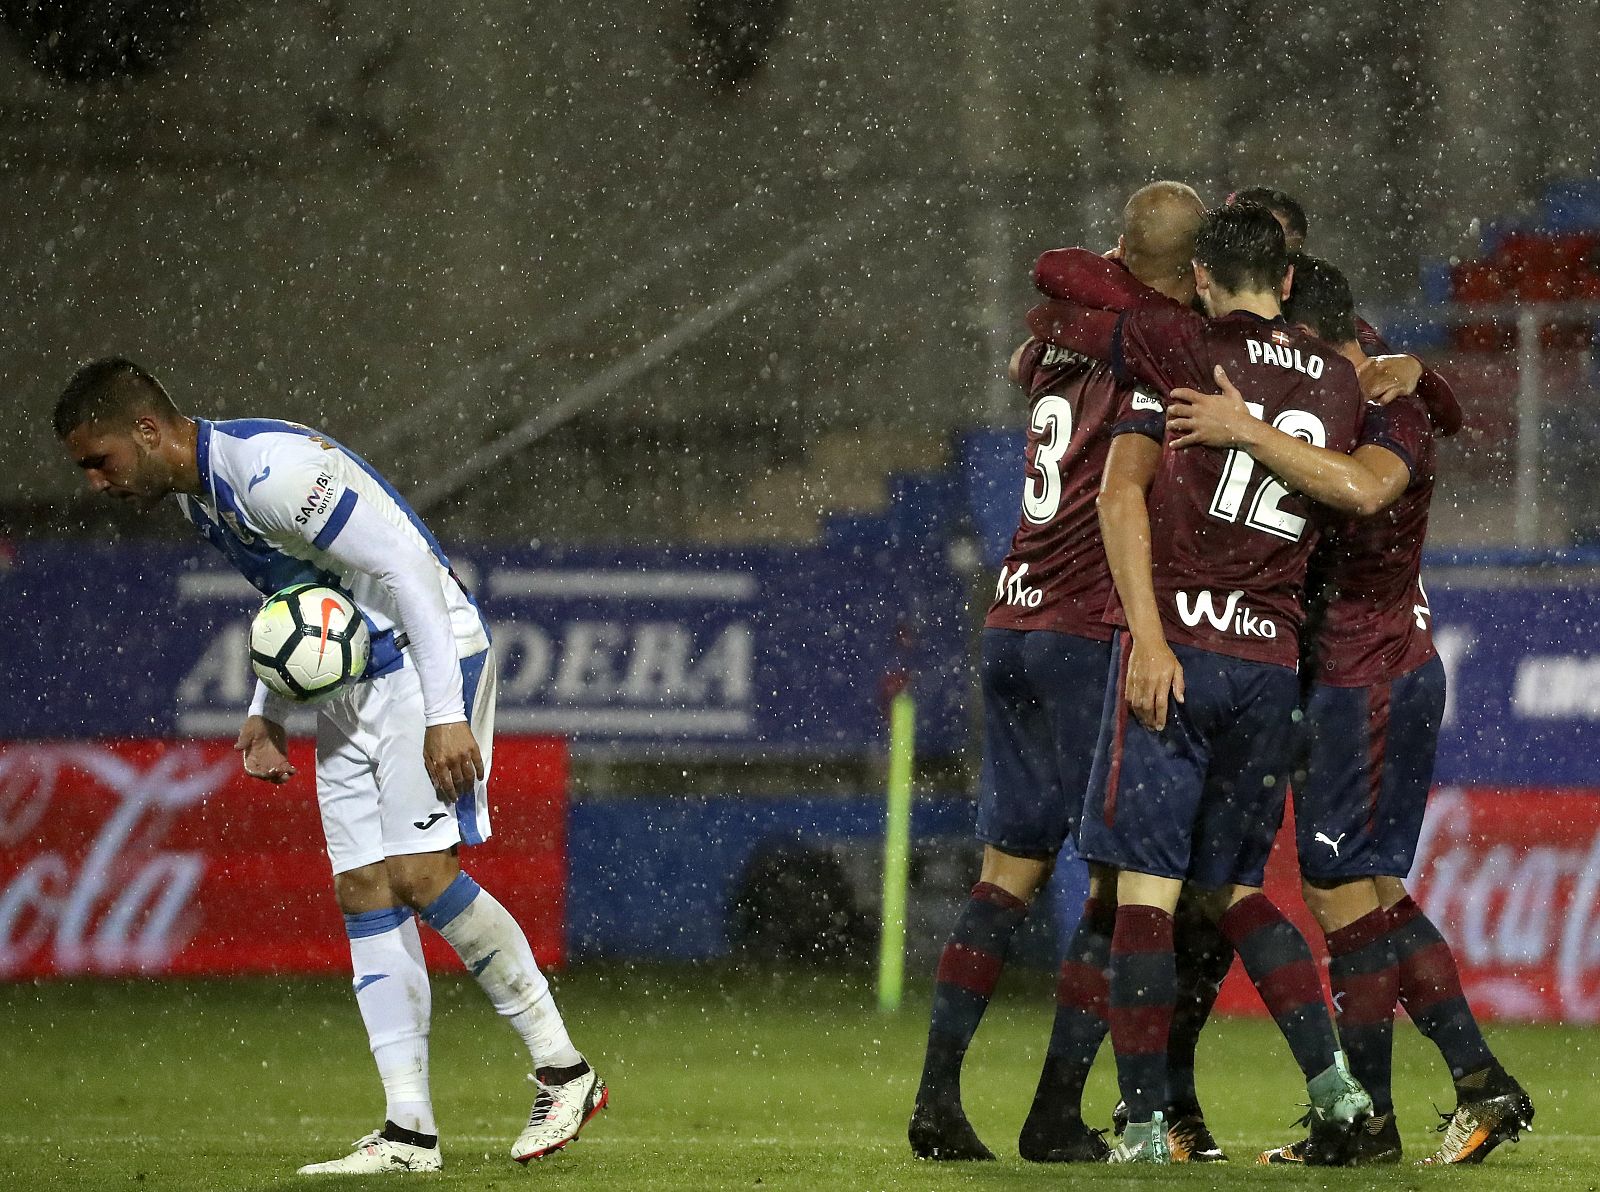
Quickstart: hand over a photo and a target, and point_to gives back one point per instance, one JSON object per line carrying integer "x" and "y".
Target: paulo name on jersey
{"x": 1230, "y": 541}
{"x": 273, "y": 498}
{"x": 1377, "y": 625}
{"x": 1055, "y": 575}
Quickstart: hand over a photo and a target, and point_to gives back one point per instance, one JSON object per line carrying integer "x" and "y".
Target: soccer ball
{"x": 308, "y": 641}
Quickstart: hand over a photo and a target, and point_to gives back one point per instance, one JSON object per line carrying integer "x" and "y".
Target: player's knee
{"x": 1391, "y": 890}
{"x": 418, "y": 880}
{"x": 1021, "y": 877}
{"x": 363, "y": 889}
{"x": 1338, "y": 903}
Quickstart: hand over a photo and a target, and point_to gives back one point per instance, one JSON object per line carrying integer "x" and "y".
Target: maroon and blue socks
{"x": 1080, "y": 1023}
{"x": 969, "y": 970}
{"x": 1430, "y": 990}
{"x": 1204, "y": 957}
{"x": 1280, "y": 966}
{"x": 1142, "y": 995}
{"x": 1366, "y": 984}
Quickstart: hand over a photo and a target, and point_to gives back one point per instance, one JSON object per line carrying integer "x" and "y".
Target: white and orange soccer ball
{"x": 308, "y": 641}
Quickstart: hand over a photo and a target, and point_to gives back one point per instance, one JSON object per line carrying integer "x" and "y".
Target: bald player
{"x": 1045, "y": 656}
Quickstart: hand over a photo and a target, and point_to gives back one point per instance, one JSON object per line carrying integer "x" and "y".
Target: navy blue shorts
{"x": 1042, "y": 693}
{"x": 1358, "y": 807}
{"x": 1201, "y": 800}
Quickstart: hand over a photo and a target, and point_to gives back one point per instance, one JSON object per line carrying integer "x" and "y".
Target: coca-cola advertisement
{"x": 162, "y": 858}
{"x": 1512, "y": 879}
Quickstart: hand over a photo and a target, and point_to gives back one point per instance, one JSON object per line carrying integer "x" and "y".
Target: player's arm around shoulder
{"x": 1154, "y": 673}
{"x": 1361, "y": 484}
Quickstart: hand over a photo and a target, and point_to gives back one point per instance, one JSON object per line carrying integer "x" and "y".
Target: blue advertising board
{"x": 692, "y": 654}
{"x": 1524, "y": 683}
{"x": 641, "y": 651}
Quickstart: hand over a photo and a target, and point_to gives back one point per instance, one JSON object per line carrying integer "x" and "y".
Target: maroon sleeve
{"x": 1443, "y": 408}
{"x": 1068, "y": 325}
{"x": 1141, "y": 413}
{"x": 1159, "y": 344}
{"x": 1402, "y": 427}
{"x": 1032, "y": 353}
{"x": 1434, "y": 390}
{"x": 1372, "y": 343}
{"x": 1078, "y": 275}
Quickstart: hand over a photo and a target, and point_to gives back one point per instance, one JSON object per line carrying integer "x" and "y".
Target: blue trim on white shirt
{"x": 336, "y": 519}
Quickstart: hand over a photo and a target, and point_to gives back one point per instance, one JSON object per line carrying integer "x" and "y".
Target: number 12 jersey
{"x": 1229, "y": 541}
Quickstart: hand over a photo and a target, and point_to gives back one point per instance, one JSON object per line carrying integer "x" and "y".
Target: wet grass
{"x": 719, "y": 1080}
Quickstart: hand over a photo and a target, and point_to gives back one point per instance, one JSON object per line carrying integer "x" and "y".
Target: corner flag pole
{"x": 896, "y": 852}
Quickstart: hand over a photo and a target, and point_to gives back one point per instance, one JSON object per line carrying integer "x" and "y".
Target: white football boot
{"x": 559, "y": 1112}
{"x": 377, "y": 1155}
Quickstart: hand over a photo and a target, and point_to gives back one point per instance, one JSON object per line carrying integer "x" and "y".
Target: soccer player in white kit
{"x": 402, "y": 754}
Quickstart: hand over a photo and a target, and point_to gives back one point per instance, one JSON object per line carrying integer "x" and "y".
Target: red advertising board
{"x": 162, "y": 858}
{"x": 1512, "y": 879}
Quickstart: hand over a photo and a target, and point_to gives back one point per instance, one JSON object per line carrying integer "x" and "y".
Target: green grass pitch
{"x": 719, "y": 1080}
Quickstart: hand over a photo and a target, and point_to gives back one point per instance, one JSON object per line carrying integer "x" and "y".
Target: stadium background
{"x": 687, "y": 323}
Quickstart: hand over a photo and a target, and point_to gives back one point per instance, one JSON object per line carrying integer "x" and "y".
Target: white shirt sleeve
{"x": 370, "y": 544}
{"x": 297, "y": 495}
{"x": 308, "y": 501}
{"x": 268, "y": 703}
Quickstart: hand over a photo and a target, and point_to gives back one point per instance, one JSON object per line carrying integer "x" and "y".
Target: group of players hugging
{"x": 1226, "y": 497}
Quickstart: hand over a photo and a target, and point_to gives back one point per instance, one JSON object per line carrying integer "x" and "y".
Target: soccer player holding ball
{"x": 403, "y": 753}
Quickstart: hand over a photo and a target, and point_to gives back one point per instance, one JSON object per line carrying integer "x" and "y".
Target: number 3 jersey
{"x": 1229, "y": 541}
{"x": 1055, "y": 575}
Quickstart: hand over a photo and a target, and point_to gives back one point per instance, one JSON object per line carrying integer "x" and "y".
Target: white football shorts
{"x": 376, "y": 797}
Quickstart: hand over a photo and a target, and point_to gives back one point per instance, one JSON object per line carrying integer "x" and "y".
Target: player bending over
{"x": 402, "y": 754}
{"x": 1372, "y": 716}
{"x": 1046, "y": 650}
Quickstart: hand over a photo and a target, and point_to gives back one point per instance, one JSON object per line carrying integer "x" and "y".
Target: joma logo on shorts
{"x": 1234, "y": 618}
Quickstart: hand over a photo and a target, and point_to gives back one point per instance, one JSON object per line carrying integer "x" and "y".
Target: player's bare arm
{"x": 1014, "y": 365}
{"x": 1154, "y": 674}
{"x": 264, "y": 746}
{"x": 1362, "y": 484}
{"x": 454, "y": 762}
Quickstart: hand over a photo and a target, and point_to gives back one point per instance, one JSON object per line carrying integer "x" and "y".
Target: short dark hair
{"x": 1242, "y": 245}
{"x": 1279, "y": 202}
{"x": 1321, "y": 300}
{"x": 109, "y": 388}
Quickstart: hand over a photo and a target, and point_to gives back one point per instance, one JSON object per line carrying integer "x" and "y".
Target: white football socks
{"x": 497, "y": 953}
{"x": 391, "y": 983}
